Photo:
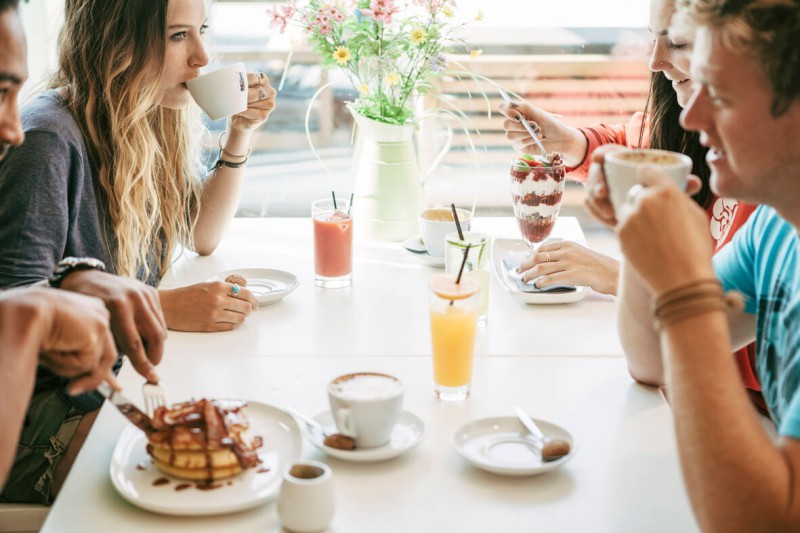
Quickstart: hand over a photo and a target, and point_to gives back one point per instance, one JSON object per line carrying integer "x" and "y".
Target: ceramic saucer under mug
{"x": 415, "y": 247}
{"x": 406, "y": 435}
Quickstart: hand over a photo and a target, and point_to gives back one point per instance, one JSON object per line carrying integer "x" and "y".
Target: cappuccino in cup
{"x": 366, "y": 406}
{"x": 621, "y": 169}
{"x": 435, "y": 223}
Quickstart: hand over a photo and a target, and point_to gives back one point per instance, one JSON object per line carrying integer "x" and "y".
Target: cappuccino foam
{"x": 654, "y": 158}
{"x": 366, "y": 387}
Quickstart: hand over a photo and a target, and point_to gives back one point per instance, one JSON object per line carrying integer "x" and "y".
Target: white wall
{"x": 42, "y": 20}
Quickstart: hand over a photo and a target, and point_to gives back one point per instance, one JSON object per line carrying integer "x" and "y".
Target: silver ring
{"x": 235, "y": 290}
{"x": 262, "y": 94}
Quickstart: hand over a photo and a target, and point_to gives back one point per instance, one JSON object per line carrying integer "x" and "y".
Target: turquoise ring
{"x": 235, "y": 290}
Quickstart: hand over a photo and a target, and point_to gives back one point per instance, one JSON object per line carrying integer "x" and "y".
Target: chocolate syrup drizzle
{"x": 212, "y": 424}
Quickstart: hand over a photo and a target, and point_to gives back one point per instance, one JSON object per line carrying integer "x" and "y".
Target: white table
{"x": 560, "y": 363}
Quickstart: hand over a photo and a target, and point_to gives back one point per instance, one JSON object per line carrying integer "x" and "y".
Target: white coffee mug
{"x": 221, "y": 93}
{"x": 366, "y": 406}
{"x": 621, "y": 169}
{"x": 306, "y": 502}
{"x": 436, "y": 222}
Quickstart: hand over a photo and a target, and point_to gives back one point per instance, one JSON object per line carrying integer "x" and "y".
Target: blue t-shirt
{"x": 761, "y": 262}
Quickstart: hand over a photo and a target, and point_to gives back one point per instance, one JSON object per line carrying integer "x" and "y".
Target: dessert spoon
{"x": 524, "y": 122}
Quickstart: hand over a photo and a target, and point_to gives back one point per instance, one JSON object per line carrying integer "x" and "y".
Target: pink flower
{"x": 288, "y": 10}
{"x": 381, "y": 10}
{"x": 277, "y": 20}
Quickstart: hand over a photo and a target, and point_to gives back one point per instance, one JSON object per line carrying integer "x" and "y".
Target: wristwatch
{"x": 68, "y": 265}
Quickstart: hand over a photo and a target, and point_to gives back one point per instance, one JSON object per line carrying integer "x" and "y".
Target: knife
{"x": 529, "y": 424}
{"x": 126, "y": 407}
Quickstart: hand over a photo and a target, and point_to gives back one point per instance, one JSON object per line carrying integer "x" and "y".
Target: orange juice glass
{"x": 333, "y": 243}
{"x": 454, "y": 316}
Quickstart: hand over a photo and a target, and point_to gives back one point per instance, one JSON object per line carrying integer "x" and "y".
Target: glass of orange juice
{"x": 454, "y": 317}
{"x": 333, "y": 243}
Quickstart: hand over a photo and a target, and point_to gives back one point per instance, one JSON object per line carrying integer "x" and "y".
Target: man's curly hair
{"x": 764, "y": 29}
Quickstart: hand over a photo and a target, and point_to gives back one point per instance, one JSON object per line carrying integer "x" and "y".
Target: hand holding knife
{"x": 126, "y": 407}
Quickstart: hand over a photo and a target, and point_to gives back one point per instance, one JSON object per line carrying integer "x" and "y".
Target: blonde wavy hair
{"x": 145, "y": 158}
{"x": 764, "y": 29}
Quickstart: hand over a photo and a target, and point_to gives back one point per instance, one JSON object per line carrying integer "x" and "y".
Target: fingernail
{"x": 513, "y": 105}
{"x": 152, "y": 377}
{"x": 517, "y": 117}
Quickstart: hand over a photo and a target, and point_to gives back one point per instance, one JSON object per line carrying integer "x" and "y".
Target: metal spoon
{"x": 334, "y": 440}
{"x": 551, "y": 449}
{"x": 415, "y": 246}
{"x": 524, "y": 122}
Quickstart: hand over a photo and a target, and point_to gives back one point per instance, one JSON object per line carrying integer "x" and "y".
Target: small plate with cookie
{"x": 267, "y": 285}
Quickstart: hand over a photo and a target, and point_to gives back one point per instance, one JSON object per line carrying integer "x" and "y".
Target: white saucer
{"x": 415, "y": 243}
{"x": 517, "y": 249}
{"x": 501, "y": 445}
{"x": 406, "y": 435}
{"x": 267, "y": 285}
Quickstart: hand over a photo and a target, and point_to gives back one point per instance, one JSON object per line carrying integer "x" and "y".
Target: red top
{"x": 725, "y": 217}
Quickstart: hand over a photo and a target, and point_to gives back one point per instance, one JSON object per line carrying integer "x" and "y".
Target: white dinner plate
{"x": 267, "y": 285}
{"x": 134, "y": 475}
{"x": 412, "y": 245}
{"x": 516, "y": 250}
{"x": 406, "y": 435}
{"x": 502, "y": 445}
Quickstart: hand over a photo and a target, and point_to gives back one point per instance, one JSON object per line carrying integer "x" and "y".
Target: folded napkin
{"x": 511, "y": 264}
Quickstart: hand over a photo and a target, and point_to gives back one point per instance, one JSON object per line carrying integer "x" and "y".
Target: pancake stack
{"x": 203, "y": 440}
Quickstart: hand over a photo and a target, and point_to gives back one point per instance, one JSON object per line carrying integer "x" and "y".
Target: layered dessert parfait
{"x": 203, "y": 440}
{"x": 537, "y": 186}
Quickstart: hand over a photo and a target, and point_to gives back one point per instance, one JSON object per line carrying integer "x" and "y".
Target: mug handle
{"x": 344, "y": 422}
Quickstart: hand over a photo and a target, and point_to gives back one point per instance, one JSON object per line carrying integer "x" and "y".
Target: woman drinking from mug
{"x": 111, "y": 168}
{"x": 670, "y": 88}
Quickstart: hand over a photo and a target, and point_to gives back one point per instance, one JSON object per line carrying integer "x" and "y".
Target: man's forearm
{"x": 737, "y": 478}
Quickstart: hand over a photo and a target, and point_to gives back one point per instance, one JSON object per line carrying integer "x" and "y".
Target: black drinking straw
{"x": 333, "y": 194}
{"x": 350, "y": 205}
{"x": 458, "y": 226}
{"x": 463, "y": 263}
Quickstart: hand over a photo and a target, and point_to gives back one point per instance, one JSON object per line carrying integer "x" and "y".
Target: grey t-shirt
{"x": 49, "y": 207}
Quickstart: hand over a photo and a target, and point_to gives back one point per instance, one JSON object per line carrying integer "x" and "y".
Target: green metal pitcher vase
{"x": 388, "y": 191}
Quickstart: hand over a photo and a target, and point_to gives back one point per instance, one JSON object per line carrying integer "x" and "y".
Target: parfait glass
{"x": 537, "y": 187}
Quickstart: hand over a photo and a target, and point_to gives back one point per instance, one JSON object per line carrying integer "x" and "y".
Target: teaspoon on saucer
{"x": 415, "y": 245}
{"x": 551, "y": 449}
{"x": 334, "y": 440}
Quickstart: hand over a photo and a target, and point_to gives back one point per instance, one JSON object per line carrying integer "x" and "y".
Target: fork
{"x": 154, "y": 397}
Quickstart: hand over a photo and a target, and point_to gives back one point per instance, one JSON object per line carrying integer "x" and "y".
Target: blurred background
{"x": 583, "y": 59}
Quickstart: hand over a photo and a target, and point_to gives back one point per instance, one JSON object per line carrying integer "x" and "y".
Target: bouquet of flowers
{"x": 391, "y": 50}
